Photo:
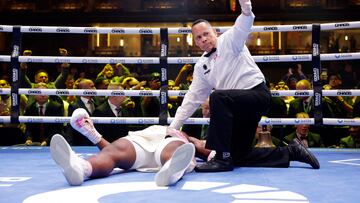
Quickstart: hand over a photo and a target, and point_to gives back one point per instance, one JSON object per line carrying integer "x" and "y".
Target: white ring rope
{"x": 197, "y": 121}
{"x": 176, "y": 30}
{"x": 156, "y": 93}
{"x": 173, "y": 60}
{"x": 91, "y": 60}
{"x": 107, "y": 120}
{"x": 5, "y": 58}
{"x": 89, "y": 30}
{"x": 5, "y": 91}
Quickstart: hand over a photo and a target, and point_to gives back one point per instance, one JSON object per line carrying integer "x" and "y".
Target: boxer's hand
{"x": 245, "y": 6}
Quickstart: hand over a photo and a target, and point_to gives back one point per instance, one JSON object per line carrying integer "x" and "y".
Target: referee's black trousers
{"x": 234, "y": 117}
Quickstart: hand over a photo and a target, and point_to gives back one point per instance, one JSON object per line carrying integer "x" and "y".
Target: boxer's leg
{"x": 175, "y": 157}
{"x": 120, "y": 153}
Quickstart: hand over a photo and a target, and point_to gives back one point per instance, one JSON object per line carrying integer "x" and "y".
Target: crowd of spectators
{"x": 119, "y": 77}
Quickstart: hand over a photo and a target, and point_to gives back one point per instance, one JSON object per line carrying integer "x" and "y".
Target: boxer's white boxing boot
{"x": 81, "y": 121}
{"x": 65, "y": 157}
{"x": 176, "y": 166}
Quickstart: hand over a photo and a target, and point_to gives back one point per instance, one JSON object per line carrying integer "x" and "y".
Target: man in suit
{"x": 353, "y": 140}
{"x": 42, "y": 106}
{"x": 112, "y": 107}
{"x": 303, "y": 133}
{"x": 89, "y": 103}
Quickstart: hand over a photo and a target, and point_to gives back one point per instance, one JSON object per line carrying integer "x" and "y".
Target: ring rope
{"x": 176, "y": 30}
{"x": 174, "y": 60}
{"x": 179, "y": 93}
{"x": 155, "y": 120}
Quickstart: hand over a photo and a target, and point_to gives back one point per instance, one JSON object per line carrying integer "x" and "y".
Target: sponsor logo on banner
{"x": 117, "y": 93}
{"x": 163, "y": 74}
{"x": 15, "y": 52}
{"x": 337, "y": 56}
{"x": 303, "y": 121}
{"x": 299, "y": 57}
{"x": 275, "y": 93}
{"x": 62, "y": 120}
{"x": 146, "y": 61}
{"x": 182, "y": 93}
{"x": 145, "y": 31}
{"x": 145, "y": 93}
{"x": 276, "y": 121}
{"x": 2, "y": 28}
{"x": 15, "y": 75}
{"x": 35, "y": 120}
{"x": 89, "y": 61}
{"x": 89, "y": 93}
{"x": 271, "y": 58}
{"x": 35, "y": 29}
{"x": 347, "y": 121}
{"x": 117, "y": 61}
{"x": 344, "y": 93}
{"x": 184, "y": 30}
{"x": 33, "y": 60}
{"x": 316, "y": 51}
{"x": 190, "y": 60}
{"x": 302, "y": 94}
{"x": 62, "y": 30}
{"x": 267, "y": 121}
{"x": 273, "y": 28}
{"x": 300, "y": 27}
{"x": 342, "y": 24}
{"x": 118, "y": 121}
{"x": 163, "y": 50}
{"x": 163, "y": 98}
{"x": 344, "y": 56}
{"x": 217, "y": 30}
{"x": 14, "y": 98}
{"x": 90, "y": 30}
{"x": 146, "y": 121}
{"x": 316, "y": 73}
{"x": 118, "y": 30}
{"x": 62, "y": 92}
{"x": 317, "y": 99}
{"x": 34, "y": 92}
{"x": 59, "y": 60}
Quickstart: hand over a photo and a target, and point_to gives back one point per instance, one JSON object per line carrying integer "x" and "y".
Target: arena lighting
{"x": 346, "y": 38}
{"x": 189, "y": 39}
{"x": 121, "y": 43}
{"x": 258, "y": 40}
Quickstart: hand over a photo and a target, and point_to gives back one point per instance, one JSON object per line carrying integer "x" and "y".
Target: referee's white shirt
{"x": 230, "y": 67}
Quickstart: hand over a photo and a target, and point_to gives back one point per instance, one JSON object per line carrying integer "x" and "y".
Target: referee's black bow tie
{"x": 210, "y": 52}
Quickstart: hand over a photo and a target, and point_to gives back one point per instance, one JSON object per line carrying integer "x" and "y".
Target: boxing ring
{"x": 29, "y": 175}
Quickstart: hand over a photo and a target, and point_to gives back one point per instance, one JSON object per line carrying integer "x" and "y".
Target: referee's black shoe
{"x": 216, "y": 165}
{"x": 298, "y": 152}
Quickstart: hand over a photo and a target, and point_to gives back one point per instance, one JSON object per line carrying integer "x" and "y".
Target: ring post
{"x": 163, "y": 74}
{"x": 316, "y": 65}
{"x": 15, "y": 71}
